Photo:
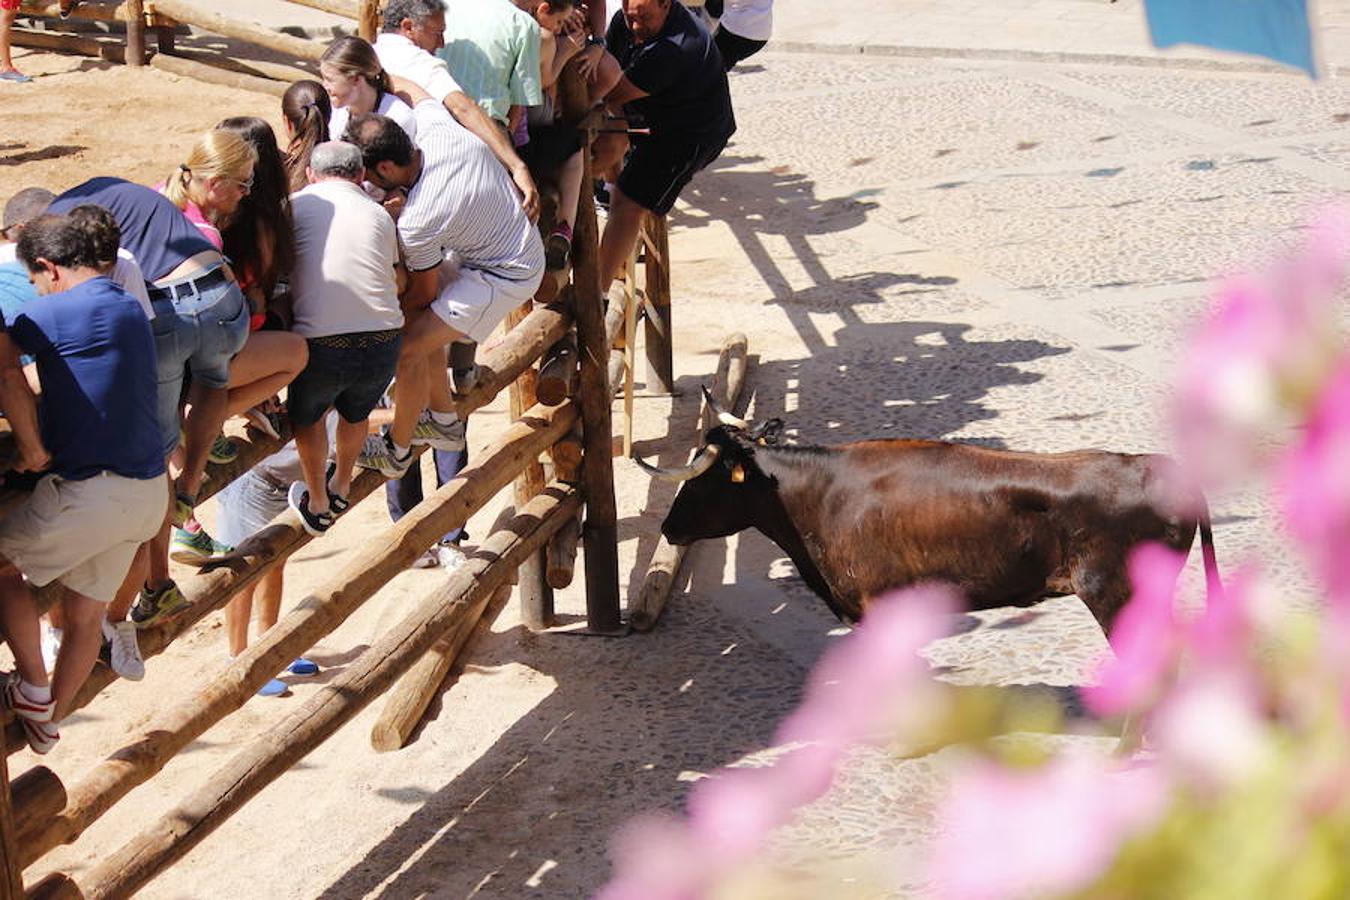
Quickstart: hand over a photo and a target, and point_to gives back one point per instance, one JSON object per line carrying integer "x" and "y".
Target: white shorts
{"x": 474, "y": 302}
{"x": 84, "y": 533}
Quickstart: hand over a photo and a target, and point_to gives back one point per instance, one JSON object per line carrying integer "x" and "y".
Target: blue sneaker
{"x": 304, "y": 666}
{"x": 273, "y": 688}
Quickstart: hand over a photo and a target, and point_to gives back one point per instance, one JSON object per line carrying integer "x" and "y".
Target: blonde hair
{"x": 217, "y": 154}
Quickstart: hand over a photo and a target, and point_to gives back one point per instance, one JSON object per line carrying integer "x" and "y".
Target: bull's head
{"x": 722, "y": 490}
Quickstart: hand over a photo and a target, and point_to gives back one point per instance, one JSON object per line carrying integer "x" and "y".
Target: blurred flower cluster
{"x": 1233, "y": 780}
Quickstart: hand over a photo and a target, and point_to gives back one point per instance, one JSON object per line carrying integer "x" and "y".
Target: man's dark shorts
{"x": 346, "y": 372}
{"x": 659, "y": 168}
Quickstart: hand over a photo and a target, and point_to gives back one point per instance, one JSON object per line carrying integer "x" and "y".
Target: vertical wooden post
{"x": 600, "y": 531}
{"x": 135, "y": 13}
{"x": 368, "y": 23}
{"x": 657, "y": 331}
{"x": 11, "y": 874}
{"x": 536, "y": 597}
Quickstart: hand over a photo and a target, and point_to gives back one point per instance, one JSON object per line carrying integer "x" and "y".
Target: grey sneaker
{"x": 15, "y": 76}
{"x": 125, "y": 653}
{"x": 378, "y": 454}
{"x": 437, "y": 436}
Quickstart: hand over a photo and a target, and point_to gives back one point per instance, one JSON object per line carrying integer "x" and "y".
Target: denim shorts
{"x": 200, "y": 330}
{"x": 346, "y": 372}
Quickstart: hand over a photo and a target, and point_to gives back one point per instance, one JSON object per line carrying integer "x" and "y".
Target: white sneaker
{"x": 428, "y": 560}
{"x": 125, "y": 653}
{"x": 449, "y": 556}
{"x": 51, "y": 645}
{"x": 439, "y": 437}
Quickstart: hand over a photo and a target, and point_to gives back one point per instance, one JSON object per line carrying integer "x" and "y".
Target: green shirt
{"x": 492, "y": 50}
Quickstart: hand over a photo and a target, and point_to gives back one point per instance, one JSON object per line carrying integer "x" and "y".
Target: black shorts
{"x": 346, "y": 372}
{"x": 735, "y": 48}
{"x": 549, "y": 147}
{"x": 658, "y": 168}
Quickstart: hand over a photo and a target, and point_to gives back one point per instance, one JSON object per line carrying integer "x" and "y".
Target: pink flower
{"x": 1146, "y": 638}
{"x": 657, "y": 858}
{"x": 1209, "y": 730}
{"x": 1009, "y": 833}
{"x": 1315, "y": 486}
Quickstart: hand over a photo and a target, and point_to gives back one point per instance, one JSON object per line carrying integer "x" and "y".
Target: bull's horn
{"x": 723, "y": 416}
{"x": 700, "y": 464}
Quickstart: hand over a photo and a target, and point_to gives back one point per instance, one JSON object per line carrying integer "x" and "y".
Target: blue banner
{"x": 1275, "y": 29}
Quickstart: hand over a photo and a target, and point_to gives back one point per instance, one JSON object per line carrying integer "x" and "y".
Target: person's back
{"x": 492, "y": 52}
{"x": 154, "y": 230}
{"x": 465, "y": 201}
{"x": 346, "y": 250}
{"x": 96, "y": 361}
{"x": 681, "y": 71}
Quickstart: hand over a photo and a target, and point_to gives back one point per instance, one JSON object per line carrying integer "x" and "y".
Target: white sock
{"x": 399, "y": 452}
{"x": 443, "y": 418}
{"x": 35, "y": 693}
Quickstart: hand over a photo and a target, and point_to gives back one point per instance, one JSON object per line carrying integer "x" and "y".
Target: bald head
{"x": 336, "y": 159}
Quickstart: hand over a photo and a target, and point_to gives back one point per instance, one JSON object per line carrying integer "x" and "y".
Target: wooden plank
{"x": 56, "y": 886}
{"x": 645, "y": 608}
{"x": 132, "y": 866}
{"x": 562, "y": 555}
{"x": 37, "y": 796}
{"x": 536, "y": 597}
{"x": 68, "y": 43}
{"x": 657, "y": 332}
{"x": 135, "y": 17}
{"x": 11, "y": 871}
{"x": 600, "y": 530}
{"x": 368, "y": 569}
{"x": 409, "y": 699}
{"x": 368, "y": 20}
{"x": 346, "y": 8}
{"x": 497, "y": 369}
{"x": 558, "y": 372}
{"x": 218, "y": 23}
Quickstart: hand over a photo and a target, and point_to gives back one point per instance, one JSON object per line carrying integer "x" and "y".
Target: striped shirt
{"x": 465, "y": 203}
{"x": 492, "y": 51}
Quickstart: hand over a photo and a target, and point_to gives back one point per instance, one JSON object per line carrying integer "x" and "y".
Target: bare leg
{"x": 607, "y": 75}
{"x": 202, "y": 424}
{"x": 269, "y": 598}
{"x": 19, "y": 625}
{"x": 351, "y": 436}
{"x": 438, "y": 382}
{"x": 79, "y": 649}
{"x": 569, "y": 188}
{"x": 621, "y": 233}
{"x": 7, "y": 17}
{"x": 131, "y": 585}
{"x": 607, "y": 152}
{"x": 425, "y": 338}
{"x": 412, "y": 395}
{"x": 269, "y": 361}
{"x": 311, "y": 441}
{"x": 237, "y": 613}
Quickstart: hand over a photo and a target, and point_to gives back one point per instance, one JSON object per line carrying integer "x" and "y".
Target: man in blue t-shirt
{"x": 673, "y": 83}
{"x": 106, "y": 490}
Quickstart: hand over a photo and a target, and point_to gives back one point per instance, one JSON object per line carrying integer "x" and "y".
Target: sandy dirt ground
{"x": 1000, "y": 251}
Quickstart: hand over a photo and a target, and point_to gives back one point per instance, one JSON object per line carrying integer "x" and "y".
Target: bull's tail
{"x": 1213, "y": 584}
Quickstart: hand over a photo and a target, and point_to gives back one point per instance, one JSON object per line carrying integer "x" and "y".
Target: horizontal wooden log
{"x": 645, "y": 608}
{"x": 37, "y": 796}
{"x": 346, "y": 8}
{"x": 287, "y": 742}
{"x": 56, "y": 886}
{"x": 260, "y": 68}
{"x": 200, "y": 71}
{"x": 562, "y": 555}
{"x": 558, "y": 372}
{"x": 368, "y": 570}
{"x": 409, "y": 699}
{"x": 498, "y": 368}
{"x": 97, "y": 12}
{"x": 68, "y": 43}
{"x": 209, "y": 19}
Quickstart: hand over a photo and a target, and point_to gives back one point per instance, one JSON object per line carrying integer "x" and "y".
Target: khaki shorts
{"x": 474, "y": 302}
{"x": 83, "y": 533}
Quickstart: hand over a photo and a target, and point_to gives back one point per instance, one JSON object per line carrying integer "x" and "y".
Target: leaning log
{"x": 56, "y": 886}
{"x": 188, "y": 68}
{"x": 409, "y": 699}
{"x": 219, "y": 23}
{"x": 656, "y": 310}
{"x": 11, "y": 872}
{"x": 271, "y": 754}
{"x": 536, "y": 600}
{"x": 316, "y": 616}
{"x": 135, "y": 16}
{"x": 562, "y": 555}
{"x": 650, "y": 600}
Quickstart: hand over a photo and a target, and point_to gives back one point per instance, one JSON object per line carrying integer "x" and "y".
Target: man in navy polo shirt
{"x": 674, "y": 83}
{"x": 106, "y": 490}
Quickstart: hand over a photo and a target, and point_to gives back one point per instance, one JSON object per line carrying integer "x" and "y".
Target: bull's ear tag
{"x": 738, "y": 474}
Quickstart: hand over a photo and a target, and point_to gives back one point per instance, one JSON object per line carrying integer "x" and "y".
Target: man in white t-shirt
{"x": 413, "y": 31}
{"x": 460, "y": 204}
{"x": 345, "y": 287}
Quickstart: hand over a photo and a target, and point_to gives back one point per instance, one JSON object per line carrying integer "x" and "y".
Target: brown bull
{"x": 1005, "y": 528}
